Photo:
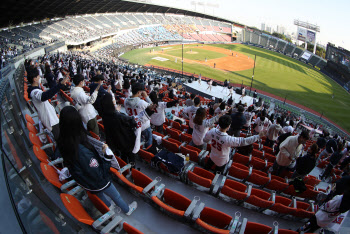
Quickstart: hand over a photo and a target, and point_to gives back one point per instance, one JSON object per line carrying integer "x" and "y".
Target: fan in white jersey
{"x": 220, "y": 108}
{"x": 327, "y": 213}
{"x": 221, "y": 143}
{"x": 201, "y": 127}
{"x": 158, "y": 118}
{"x": 121, "y": 130}
{"x": 248, "y": 116}
{"x": 199, "y": 79}
{"x": 190, "y": 111}
{"x": 262, "y": 123}
{"x": 134, "y": 105}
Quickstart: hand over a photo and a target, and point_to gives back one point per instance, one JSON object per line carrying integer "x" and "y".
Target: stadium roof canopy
{"x": 26, "y": 11}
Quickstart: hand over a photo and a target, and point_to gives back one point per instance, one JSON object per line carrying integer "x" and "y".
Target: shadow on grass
{"x": 275, "y": 58}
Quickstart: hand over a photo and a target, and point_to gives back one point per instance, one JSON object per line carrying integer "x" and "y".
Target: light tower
{"x": 307, "y": 32}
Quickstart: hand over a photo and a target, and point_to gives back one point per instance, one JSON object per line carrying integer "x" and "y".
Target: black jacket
{"x": 50, "y": 78}
{"x": 331, "y": 146}
{"x": 119, "y": 130}
{"x": 211, "y": 107}
{"x": 321, "y": 142}
{"x": 305, "y": 164}
{"x": 335, "y": 158}
{"x": 90, "y": 170}
{"x": 101, "y": 93}
{"x": 238, "y": 121}
{"x": 48, "y": 94}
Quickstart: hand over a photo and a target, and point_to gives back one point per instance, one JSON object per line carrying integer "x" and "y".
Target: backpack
{"x": 173, "y": 162}
{"x": 299, "y": 185}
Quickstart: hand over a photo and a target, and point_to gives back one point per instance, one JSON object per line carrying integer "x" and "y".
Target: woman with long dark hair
{"x": 123, "y": 132}
{"x": 201, "y": 126}
{"x": 158, "y": 118}
{"x": 85, "y": 165}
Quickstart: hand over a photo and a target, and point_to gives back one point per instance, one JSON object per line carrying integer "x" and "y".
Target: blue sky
{"x": 331, "y": 16}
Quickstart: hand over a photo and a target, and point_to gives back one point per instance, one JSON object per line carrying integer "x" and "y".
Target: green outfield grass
{"x": 274, "y": 73}
{"x": 197, "y": 53}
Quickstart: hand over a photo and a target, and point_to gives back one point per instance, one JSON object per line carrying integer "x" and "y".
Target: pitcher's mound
{"x": 191, "y": 52}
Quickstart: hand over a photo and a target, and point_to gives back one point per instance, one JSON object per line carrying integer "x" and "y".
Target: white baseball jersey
{"x": 329, "y": 211}
{"x": 141, "y": 119}
{"x": 190, "y": 112}
{"x": 262, "y": 125}
{"x": 221, "y": 144}
{"x": 46, "y": 112}
{"x": 158, "y": 118}
{"x": 248, "y": 116}
{"x": 134, "y": 106}
{"x": 199, "y": 131}
{"x": 218, "y": 111}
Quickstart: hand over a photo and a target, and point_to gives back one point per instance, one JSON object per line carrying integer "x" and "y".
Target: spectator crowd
{"x": 132, "y": 105}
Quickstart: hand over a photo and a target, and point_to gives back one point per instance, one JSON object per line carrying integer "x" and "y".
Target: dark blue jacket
{"x": 238, "y": 121}
{"x": 101, "y": 93}
{"x": 90, "y": 170}
{"x": 50, "y": 78}
{"x": 47, "y": 94}
{"x": 331, "y": 146}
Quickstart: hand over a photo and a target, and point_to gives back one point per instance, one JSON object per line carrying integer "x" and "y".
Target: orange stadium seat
{"x": 140, "y": 180}
{"x": 51, "y": 175}
{"x": 238, "y": 171}
{"x": 258, "y": 163}
{"x": 201, "y": 177}
{"x": 214, "y": 221}
{"x": 304, "y": 210}
{"x": 130, "y": 229}
{"x": 257, "y": 153}
{"x": 234, "y": 189}
{"x": 76, "y": 209}
{"x": 172, "y": 202}
{"x": 253, "y": 228}
{"x": 240, "y": 158}
{"x": 258, "y": 178}
{"x": 185, "y": 137}
{"x": 260, "y": 199}
{"x": 277, "y": 184}
{"x": 283, "y": 205}
{"x": 146, "y": 156}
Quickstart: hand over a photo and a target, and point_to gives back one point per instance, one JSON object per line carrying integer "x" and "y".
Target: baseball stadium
{"x": 122, "y": 116}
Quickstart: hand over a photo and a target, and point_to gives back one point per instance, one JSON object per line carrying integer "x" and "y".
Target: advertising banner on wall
{"x": 301, "y": 34}
{"x": 311, "y": 37}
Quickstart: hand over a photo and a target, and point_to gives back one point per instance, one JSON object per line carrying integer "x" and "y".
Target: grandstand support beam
{"x": 285, "y": 46}
{"x": 315, "y": 44}
{"x": 292, "y": 53}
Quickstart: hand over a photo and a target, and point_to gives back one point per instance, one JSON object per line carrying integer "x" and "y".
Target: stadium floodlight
{"x": 307, "y": 33}
{"x": 307, "y": 25}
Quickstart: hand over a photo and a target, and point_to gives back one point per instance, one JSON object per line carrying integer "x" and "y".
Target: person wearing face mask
{"x": 46, "y": 111}
{"x": 84, "y": 103}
